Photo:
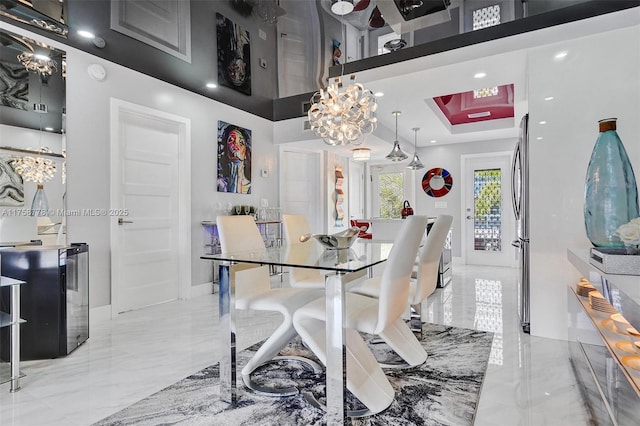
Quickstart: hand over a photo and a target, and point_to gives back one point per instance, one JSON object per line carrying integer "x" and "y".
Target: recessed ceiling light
{"x": 543, "y": 122}
{"x": 561, "y": 55}
{"x": 433, "y": 141}
{"x": 211, "y": 85}
{"x": 480, "y": 75}
{"x": 539, "y": 138}
{"x": 378, "y": 94}
{"x": 86, "y": 34}
{"x": 548, "y": 98}
{"x": 49, "y": 129}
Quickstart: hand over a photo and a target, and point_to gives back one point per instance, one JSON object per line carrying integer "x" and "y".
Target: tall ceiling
{"x": 409, "y": 86}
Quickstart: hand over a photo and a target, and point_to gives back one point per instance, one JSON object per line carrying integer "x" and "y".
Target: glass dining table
{"x": 340, "y": 267}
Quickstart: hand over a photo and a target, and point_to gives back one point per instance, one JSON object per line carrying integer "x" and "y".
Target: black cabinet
{"x": 54, "y": 300}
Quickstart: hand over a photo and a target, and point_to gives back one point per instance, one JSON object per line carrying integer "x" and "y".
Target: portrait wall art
{"x": 234, "y": 56}
{"x": 234, "y": 159}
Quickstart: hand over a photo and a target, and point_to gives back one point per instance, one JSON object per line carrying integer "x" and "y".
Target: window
{"x": 486, "y": 17}
{"x": 488, "y": 210}
{"x": 391, "y": 195}
{"x": 388, "y": 189}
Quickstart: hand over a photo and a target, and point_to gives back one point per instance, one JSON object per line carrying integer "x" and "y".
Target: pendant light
{"x": 396, "y": 153}
{"x": 415, "y": 164}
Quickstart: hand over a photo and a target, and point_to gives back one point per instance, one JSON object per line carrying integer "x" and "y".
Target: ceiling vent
{"x": 408, "y": 15}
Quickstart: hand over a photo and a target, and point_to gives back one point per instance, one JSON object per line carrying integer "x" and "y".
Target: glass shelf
{"x": 610, "y": 336}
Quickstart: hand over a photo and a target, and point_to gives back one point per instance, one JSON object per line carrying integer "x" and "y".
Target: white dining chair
{"x": 294, "y": 226}
{"x": 253, "y": 291}
{"x": 425, "y": 275}
{"x": 382, "y": 317}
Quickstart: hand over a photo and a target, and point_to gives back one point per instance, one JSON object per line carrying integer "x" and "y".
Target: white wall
{"x": 88, "y": 146}
{"x": 88, "y": 156}
{"x": 448, "y": 157}
{"x": 598, "y": 79}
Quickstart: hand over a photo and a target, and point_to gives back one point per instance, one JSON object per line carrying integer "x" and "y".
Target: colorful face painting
{"x": 234, "y": 55}
{"x": 234, "y": 159}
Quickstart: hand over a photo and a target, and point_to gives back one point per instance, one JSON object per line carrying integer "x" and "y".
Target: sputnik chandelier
{"x": 35, "y": 169}
{"x": 343, "y": 117}
{"x": 43, "y": 65}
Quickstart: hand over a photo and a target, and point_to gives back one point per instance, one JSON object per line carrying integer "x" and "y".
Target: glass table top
{"x": 312, "y": 255}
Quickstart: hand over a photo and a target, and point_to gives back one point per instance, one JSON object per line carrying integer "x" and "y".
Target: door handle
{"x": 469, "y": 217}
{"x": 121, "y": 221}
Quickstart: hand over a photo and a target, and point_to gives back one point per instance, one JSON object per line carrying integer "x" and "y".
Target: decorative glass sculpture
{"x": 611, "y": 194}
{"x": 40, "y": 204}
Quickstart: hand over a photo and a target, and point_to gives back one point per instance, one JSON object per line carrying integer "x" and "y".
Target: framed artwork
{"x": 11, "y": 184}
{"x": 234, "y": 55}
{"x": 14, "y": 85}
{"x": 339, "y": 197}
{"x": 437, "y": 182}
{"x": 234, "y": 158}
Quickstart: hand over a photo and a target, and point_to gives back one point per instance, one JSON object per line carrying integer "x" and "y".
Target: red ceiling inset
{"x": 463, "y": 108}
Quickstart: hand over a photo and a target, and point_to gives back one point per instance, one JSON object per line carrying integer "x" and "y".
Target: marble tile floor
{"x": 529, "y": 380}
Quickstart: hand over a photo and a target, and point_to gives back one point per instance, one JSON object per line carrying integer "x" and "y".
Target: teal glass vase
{"x": 611, "y": 193}
{"x": 40, "y": 204}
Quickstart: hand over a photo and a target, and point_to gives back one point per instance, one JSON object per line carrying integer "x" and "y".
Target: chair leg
{"x": 399, "y": 337}
{"x": 416, "y": 320}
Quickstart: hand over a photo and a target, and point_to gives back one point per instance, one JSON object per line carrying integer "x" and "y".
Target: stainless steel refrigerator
{"x": 520, "y": 199}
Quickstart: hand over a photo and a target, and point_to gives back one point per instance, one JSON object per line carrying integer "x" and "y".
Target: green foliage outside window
{"x": 391, "y": 195}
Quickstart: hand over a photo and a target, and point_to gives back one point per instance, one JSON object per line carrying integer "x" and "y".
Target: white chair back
{"x": 294, "y": 226}
{"x": 394, "y": 282}
{"x": 238, "y": 233}
{"x": 429, "y": 259}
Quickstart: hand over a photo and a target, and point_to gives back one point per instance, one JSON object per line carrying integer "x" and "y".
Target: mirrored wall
{"x": 32, "y": 141}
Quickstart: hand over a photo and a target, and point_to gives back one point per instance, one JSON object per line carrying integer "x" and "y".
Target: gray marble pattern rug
{"x": 442, "y": 391}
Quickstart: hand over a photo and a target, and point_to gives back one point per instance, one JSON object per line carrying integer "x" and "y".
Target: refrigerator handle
{"x": 515, "y": 161}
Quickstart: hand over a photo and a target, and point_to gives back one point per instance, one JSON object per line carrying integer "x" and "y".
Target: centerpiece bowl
{"x": 339, "y": 241}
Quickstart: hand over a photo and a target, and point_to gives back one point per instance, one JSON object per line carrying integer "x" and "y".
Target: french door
{"x": 488, "y": 216}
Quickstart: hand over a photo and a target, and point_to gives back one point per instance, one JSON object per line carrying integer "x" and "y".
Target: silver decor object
{"x": 615, "y": 261}
{"x": 339, "y": 241}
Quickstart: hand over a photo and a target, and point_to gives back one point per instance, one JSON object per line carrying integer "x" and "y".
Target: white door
{"x": 298, "y": 30}
{"x": 353, "y": 44}
{"x": 356, "y": 190}
{"x": 488, "y": 215}
{"x": 149, "y": 187}
{"x": 300, "y": 191}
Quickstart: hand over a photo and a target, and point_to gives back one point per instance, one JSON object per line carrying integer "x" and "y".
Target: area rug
{"x": 442, "y": 391}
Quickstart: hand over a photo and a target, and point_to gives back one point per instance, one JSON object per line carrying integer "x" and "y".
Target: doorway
{"x": 298, "y": 41}
{"x": 488, "y": 220}
{"x": 301, "y": 186}
{"x": 150, "y": 207}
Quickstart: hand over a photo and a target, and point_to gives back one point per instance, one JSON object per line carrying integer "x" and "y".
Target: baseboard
{"x": 201, "y": 289}
{"x": 100, "y": 313}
